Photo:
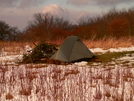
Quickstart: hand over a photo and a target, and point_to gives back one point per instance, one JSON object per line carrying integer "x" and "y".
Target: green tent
{"x": 72, "y": 49}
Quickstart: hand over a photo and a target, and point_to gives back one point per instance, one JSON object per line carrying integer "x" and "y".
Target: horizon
{"x": 18, "y": 13}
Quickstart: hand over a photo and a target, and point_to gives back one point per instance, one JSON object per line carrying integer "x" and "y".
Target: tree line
{"x": 8, "y": 33}
{"x": 114, "y": 23}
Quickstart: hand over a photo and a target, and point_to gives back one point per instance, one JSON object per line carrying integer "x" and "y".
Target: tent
{"x": 72, "y": 49}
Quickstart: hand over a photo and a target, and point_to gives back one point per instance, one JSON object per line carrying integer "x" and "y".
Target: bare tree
{"x": 4, "y": 30}
{"x": 46, "y": 27}
{"x": 7, "y": 32}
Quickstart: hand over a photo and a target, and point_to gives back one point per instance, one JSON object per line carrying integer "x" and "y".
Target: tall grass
{"x": 14, "y": 47}
{"x": 105, "y": 43}
{"x": 110, "y": 42}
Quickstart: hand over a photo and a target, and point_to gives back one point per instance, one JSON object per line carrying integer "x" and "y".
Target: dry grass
{"x": 110, "y": 43}
{"x": 102, "y": 43}
{"x": 66, "y": 83}
{"x": 15, "y": 47}
{"x": 57, "y": 42}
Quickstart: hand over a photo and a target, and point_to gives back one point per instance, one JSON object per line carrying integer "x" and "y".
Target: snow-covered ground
{"x": 119, "y": 49}
{"x": 9, "y": 57}
{"x": 112, "y": 81}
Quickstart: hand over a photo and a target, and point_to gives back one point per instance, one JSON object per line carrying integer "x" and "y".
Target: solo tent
{"x": 72, "y": 49}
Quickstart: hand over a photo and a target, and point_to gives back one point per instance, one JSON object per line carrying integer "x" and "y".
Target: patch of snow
{"x": 127, "y": 58}
{"x": 120, "y": 49}
{"x": 98, "y": 50}
{"x": 82, "y": 63}
{"x": 11, "y": 58}
{"x": 28, "y": 49}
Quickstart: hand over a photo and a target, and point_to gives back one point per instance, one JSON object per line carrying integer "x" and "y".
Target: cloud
{"x": 7, "y": 3}
{"x": 99, "y": 2}
{"x": 63, "y": 12}
{"x": 56, "y": 10}
{"x": 112, "y": 2}
{"x": 79, "y": 2}
{"x": 83, "y": 15}
{"x": 28, "y": 3}
{"x": 20, "y": 3}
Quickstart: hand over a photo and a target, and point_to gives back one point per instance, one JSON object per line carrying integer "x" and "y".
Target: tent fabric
{"x": 72, "y": 49}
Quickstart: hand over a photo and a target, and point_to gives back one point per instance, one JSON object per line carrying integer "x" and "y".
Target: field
{"x": 110, "y": 78}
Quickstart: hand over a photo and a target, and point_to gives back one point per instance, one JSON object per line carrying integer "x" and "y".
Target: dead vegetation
{"x": 112, "y": 25}
{"x": 66, "y": 83}
{"x": 106, "y": 43}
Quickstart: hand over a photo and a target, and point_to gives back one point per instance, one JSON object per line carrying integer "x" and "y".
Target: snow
{"x": 4, "y": 56}
{"x": 82, "y": 63}
{"x": 27, "y": 48}
{"x": 119, "y": 49}
{"x": 74, "y": 82}
{"x": 126, "y": 58}
{"x": 13, "y": 57}
{"x": 98, "y": 50}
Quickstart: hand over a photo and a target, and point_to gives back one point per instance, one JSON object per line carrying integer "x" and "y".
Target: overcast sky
{"x": 17, "y": 13}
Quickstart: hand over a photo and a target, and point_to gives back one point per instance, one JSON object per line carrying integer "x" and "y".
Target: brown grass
{"x": 15, "y": 47}
{"x": 9, "y": 96}
{"x": 110, "y": 43}
{"x": 55, "y": 83}
{"x": 104, "y": 43}
{"x": 57, "y": 42}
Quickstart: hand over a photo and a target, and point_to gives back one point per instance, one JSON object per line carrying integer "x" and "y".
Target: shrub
{"x": 118, "y": 27}
{"x": 41, "y": 52}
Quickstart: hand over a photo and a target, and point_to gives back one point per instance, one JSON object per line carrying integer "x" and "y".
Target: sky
{"x": 17, "y": 13}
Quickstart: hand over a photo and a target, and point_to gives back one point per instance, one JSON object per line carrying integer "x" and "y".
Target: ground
{"x": 110, "y": 79}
